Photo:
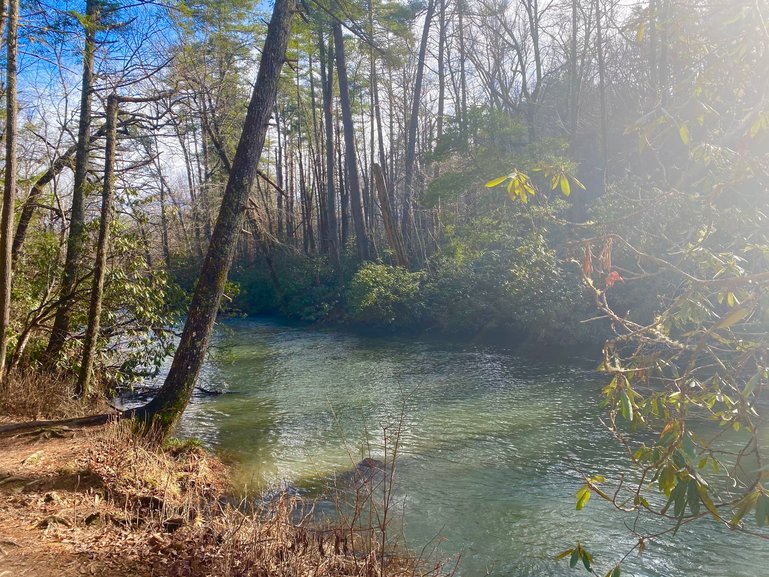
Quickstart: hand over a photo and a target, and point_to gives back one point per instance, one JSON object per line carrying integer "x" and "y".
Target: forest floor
{"x": 92, "y": 502}
{"x": 103, "y": 502}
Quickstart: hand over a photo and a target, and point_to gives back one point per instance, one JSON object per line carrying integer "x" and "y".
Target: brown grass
{"x": 32, "y": 395}
{"x": 108, "y": 503}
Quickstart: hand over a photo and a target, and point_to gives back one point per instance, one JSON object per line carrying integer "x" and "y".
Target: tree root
{"x": 55, "y": 428}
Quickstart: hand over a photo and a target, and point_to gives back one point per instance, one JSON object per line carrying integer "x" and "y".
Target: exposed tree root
{"x": 56, "y": 428}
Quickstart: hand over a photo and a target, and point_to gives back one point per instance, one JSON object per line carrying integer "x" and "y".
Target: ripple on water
{"x": 490, "y": 445}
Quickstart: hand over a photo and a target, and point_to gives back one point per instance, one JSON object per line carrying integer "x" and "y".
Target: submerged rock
{"x": 370, "y": 463}
{"x": 371, "y": 472}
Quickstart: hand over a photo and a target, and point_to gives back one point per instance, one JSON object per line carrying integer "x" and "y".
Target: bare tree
{"x": 77, "y": 216}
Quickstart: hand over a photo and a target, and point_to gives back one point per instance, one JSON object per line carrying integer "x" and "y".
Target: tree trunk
{"x": 77, "y": 217}
{"x": 441, "y": 77}
{"x": 9, "y": 188}
{"x": 327, "y": 84}
{"x": 344, "y": 196}
{"x": 573, "y": 78}
{"x": 83, "y": 388}
{"x": 318, "y": 166}
{"x": 279, "y": 173}
{"x": 371, "y": 184}
{"x": 167, "y": 406}
{"x": 30, "y": 204}
{"x": 463, "y": 123}
{"x": 190, "y": 173}
{"x": 390, "y": 225}
{"x": 353, "y": 179}
{"x": 163, "y": 214}
{"x": 601, "y": 86}
{"x": 407, "y": 216}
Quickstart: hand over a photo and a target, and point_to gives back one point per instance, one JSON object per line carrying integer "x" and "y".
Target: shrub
{"x": 381, "y": 295}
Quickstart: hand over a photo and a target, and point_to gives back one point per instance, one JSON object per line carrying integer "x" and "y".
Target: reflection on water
{"x": 490, "y": 445}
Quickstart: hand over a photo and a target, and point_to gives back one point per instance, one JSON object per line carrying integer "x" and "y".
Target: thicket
{"x": 502, "y": 272}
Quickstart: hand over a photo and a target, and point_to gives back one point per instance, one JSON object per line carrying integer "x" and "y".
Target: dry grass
{"x": 32, "y": 395}
{"x": 197, "y": 532}
{"x": 112, "y": 504}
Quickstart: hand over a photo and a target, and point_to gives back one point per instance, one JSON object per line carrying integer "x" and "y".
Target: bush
{"x": 381, "y": 295}
{"x": 298, "y": 286}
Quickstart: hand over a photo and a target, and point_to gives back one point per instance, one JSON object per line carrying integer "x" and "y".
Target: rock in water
{"x": 370, "y": 472}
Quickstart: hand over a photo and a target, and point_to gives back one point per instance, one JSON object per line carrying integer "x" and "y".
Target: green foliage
{"x": 687, "y": 371}
{"x": 385, "y": 296}
{"x": 504, "y": 274}
{"x": 140, "y": 305}
{"x": 298, "y": 286}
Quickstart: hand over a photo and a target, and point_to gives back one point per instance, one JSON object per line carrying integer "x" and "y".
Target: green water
{"x": 490, "y": 445}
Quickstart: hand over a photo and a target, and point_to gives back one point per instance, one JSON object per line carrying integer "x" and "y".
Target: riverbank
{"x": 101, "y": 501}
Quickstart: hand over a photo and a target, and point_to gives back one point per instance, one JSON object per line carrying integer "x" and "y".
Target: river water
{"x": 490, "y": 446}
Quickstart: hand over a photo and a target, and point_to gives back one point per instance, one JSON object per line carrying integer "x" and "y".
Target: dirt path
{"x": 55, "y": 518}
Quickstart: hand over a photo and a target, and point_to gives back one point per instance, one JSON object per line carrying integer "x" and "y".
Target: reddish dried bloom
{"x": 612, "y": 278}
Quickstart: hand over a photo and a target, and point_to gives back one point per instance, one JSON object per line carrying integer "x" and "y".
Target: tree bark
{"x": 83, "y": 388}
{"x": 407, "y": 216}
{"x": 279, "y": 169}
{"x": 463, "y": 123}
{"x": 327, "y": 84}
{"x": 163, "y": 212}
{"x": 390, "y": 225}
{"x": 9, "y": 188}
{"x": 318, "y": 179}
{"x": 351, "y": 158}
{"x": 167, "y": 406}
{"x": 77, "y": 217}
{"x": 441, "y": 76}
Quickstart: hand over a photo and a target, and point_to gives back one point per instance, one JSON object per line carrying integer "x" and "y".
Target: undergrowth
{"x": 134, "y": 507}
{"x": 33, "y": 395}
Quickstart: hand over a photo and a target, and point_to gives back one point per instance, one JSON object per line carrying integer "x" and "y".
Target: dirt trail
{"x": 55, "y": 519}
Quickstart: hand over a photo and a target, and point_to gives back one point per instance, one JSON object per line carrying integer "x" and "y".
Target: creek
{"x": 491, "y": 446}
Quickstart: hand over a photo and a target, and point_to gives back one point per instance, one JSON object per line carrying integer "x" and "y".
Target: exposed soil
{"x": 102, "y": 502}
{"x": 67, "y": 510}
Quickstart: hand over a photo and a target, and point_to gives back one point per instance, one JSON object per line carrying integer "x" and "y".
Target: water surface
{"x": 490, "y": 446}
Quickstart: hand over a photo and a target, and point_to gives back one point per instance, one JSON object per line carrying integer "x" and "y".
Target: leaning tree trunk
{"x": 77, "y": 215}
{"x": 9, "y": 190}
{"x": 167, "y": 406}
